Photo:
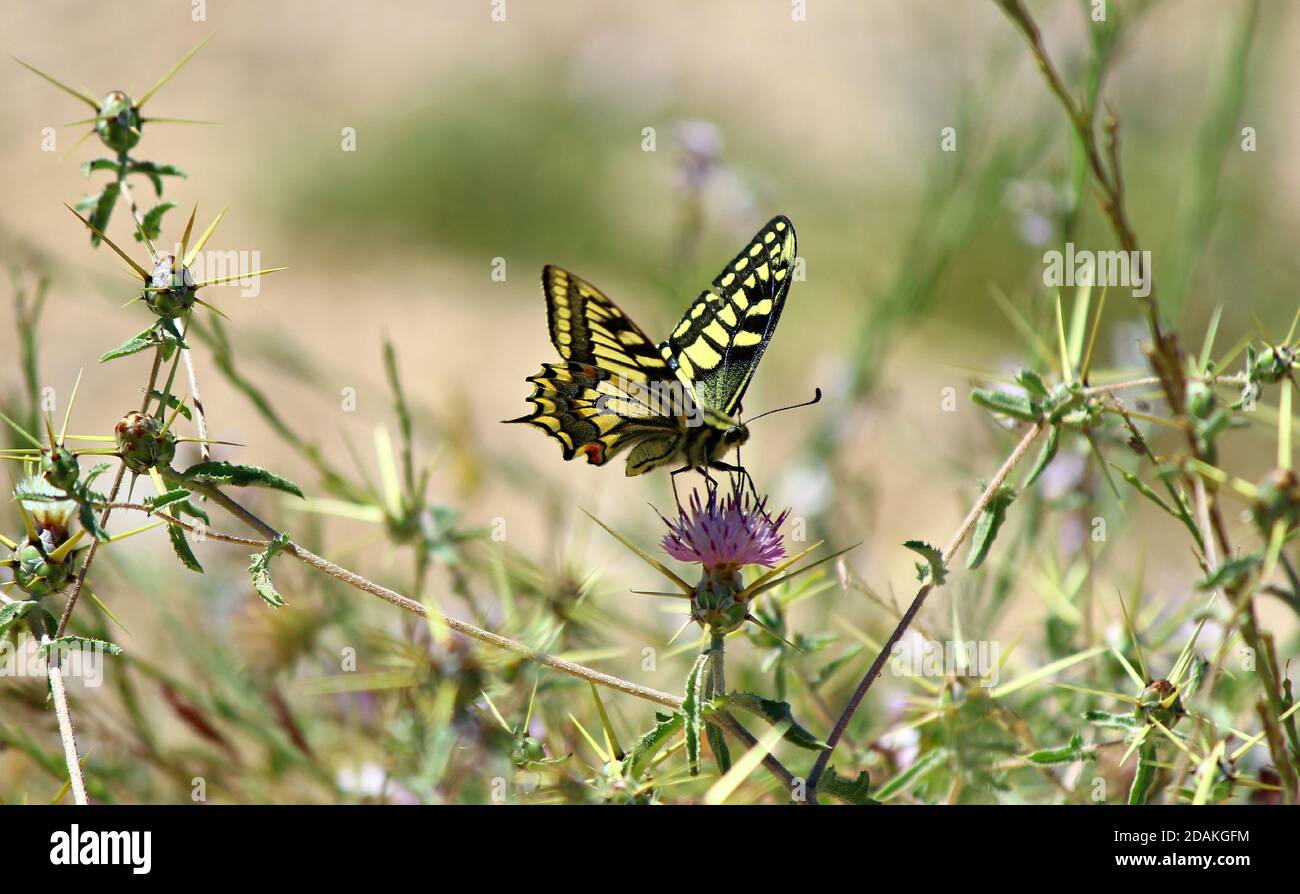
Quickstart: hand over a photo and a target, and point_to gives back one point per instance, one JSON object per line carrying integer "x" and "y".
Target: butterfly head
{"x": 735, "y": 435}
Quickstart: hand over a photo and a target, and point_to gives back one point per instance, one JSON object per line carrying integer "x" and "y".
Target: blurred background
{"x": 640, "y": 147}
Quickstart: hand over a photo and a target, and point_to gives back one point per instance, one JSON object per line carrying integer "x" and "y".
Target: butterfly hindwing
{"x": 721, "y": 338}
{"x": 599, "y": 401}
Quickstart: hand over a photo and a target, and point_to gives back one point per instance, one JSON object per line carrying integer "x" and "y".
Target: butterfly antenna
{"x": 808, "y": 403}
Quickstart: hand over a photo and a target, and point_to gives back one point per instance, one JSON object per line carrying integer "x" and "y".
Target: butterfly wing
{"x": 608, "y": 394}
{"x": 716, "y": 347}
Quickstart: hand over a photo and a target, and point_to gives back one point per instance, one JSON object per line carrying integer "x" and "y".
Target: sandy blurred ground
{"x": 831, "y": 121}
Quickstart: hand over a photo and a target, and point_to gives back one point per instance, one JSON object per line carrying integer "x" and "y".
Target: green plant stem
{"x": 949, "y": 552}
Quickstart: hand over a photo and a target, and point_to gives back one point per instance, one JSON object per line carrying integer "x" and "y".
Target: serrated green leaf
{"x": 1107, "y": 720}
{"x": 1066, "y": 754}
{"x": 80, "y": 643}
{"x": 693, "y": 710}
{"x": 181, "y": 546}
{"x": 653, "y": 742}
{"x": 1231, "y": 572}
{"x": 13, "y": 612}
{"x": 260, "y": 568}
{"x": 920, "y": 768}
{"x": 854, "y": 791}
{"x": 718, "y": 745}
{"x": 151, "y": 223}
{"x": 89, "y": 519}
{"x": 934, "y": 568}
{"x": 99, "y": 164}
{"x": 988, "y": 524}
{"x": 149, "y": 338}
{"x": 1016, "y": 406}
{"x": 776, "y": 713}
{"x": 172, "y": 496}
{"x": 155, "y": 172}
{"x": 193, "y": 511}
{"x": 173, "y": 403}
{"x": 215, "y": 472}
{"x": 1045, "y": 457}
{"x": 1032, "y": 382}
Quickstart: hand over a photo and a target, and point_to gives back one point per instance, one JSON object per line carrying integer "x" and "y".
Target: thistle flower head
{"x": 725, "y": 533}
{"x": 51, "y": 516}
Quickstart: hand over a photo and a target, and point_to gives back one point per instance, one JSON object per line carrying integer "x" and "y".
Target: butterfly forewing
{"x": 587, "y": 327}
{"x": 608, "y": 393}
{"x": 721, "y": 337}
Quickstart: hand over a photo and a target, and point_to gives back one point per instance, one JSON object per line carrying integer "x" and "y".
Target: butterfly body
{"x": 671, "y": 404}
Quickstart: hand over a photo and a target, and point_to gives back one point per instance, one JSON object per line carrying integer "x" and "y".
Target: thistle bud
{"x": 143, "y": 443}
{"x": 1273, "y": 363}
{"x": 719, "y": 603}
{"x": 118, "y": 123}
{"x": 1278, "y": 498}
{"x": 45, "y": 561}
{"x": 1201, "y": 399}
{"x": 1154, "y": 703}
{"x": 60, "y": 468}
{"x": 176, "y": 295}
{"x": 527, "y": 750}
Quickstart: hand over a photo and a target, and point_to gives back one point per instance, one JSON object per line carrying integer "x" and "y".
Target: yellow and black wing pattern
{"x": 597, "y": 402}
{"x": 721, "y": 337}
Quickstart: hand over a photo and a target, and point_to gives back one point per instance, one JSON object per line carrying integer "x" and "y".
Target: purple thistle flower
{"x": 725, "y": 534}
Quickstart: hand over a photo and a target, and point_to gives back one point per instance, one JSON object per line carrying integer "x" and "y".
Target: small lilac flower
{"x": 725, "y": 534}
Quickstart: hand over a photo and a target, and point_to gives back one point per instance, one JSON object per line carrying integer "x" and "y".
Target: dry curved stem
{"x": 59, "y": 695}
{"x": 949, "y": 552}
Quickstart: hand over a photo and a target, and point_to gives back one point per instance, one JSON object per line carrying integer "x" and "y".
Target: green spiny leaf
{"x": 99, "y": 164}
{"x": 149, "y": 338}
{"x": 933, "y": 568}
{"x": 172, "y": 496}
{"x": 182, "y": 548}
{"x": 103, "y": 209}
{"x": 1016, "y": 406}
{"x": 1107, "y": 720}
{"x": 155, "y": 172}
{"x": 261, "y": 570}
{"x": 776, "y": 713}
{"x": 718, "y": 745}
{"x": 216, "y": 472}
{"x": 1066, "y": 754}
{"x": 692, "y": 708}
{"x": 151, "y": 224}
{"x": 80, "y": 643}
{"x": 1045, "y": 457}
{"x": 13, "y": 612}
{"x": 1231, "y": 573}
{"x": 988, "y": 524}
{"x": 854, "y": 791}
{"x": 653, "y": 742}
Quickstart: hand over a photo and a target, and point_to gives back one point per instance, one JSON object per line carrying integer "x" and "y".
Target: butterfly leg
{"x": 672, "y": 477}
{"x": 744, "y": 477}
